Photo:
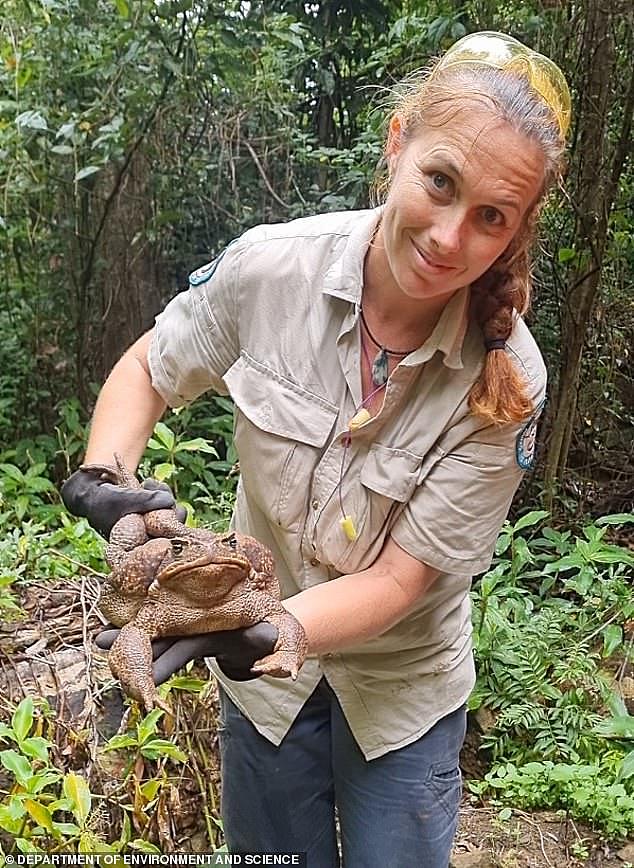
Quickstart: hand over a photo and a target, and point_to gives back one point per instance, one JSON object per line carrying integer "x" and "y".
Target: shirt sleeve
{"x": 454, "y": 516}
{"x": 195, "y": 338}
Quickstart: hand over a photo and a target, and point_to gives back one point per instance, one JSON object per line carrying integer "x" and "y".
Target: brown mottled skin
{"x": 171, "y": 580}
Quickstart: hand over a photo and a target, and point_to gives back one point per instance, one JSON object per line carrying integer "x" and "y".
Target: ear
{"x": 394, "y": 136}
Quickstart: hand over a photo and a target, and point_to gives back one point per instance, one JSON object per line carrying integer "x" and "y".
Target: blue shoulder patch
{"x": 202, "y": 274}
{"x": 526, "y": 441}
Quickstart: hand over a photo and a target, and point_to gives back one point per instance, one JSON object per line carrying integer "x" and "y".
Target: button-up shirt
{"x": 274, "y": 322}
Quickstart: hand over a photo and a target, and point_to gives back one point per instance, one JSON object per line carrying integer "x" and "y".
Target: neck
{"x": 396, "y": 319}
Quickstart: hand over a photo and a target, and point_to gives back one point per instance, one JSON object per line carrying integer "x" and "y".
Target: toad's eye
{"x": 178, "y": 546}
{"x": 231, "y": 541}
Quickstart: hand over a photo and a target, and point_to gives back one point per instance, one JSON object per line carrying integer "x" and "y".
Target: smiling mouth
{"x": 430, "y": 262}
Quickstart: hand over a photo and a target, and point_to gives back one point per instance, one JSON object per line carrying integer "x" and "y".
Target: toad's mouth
{"x": 216, "y": 560}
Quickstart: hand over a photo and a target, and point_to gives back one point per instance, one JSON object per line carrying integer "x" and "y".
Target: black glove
{"x": 235, "y": 650}
{"x": 86, "y": 494}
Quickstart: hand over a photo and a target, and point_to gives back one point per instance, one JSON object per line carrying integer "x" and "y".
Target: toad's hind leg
{"x": 130, "y": 660}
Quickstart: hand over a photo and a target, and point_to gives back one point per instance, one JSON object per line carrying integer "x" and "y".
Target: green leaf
{"x": 39, "y": 813}
{"x": 616, "y": 518}
{"x": 86, "y": 172}
{"x": 31, "y": 120}
{"x": 627, "y": 767}
{"x": 5, "y": 731}
{"x": 22, "y": 719}
{"x": 161, "y": 747}
{"x": 76, "y": 789}
{"x": 62, "y": 149}
{"x": 67, "y": 829}
{"x": 612, "y": 639}
{"x": 150, "y": 789}
{"x": 565, "y": 254}
{"x": 17, "y": 764}
{"x": 12, "y": 471}
{"x": 505, "y": 814}
{"x": 164, "y": 471}
{"x": 164, "y": 435}
{"x": 118, "y": 742}
{"x": 529, "y": 519}
{"x": 198, "y": 444}
{"x": 619, "y": 726}
{"x": 36, "y": 747}
{"x": 149, "y": 725}
{"x": 122, "y": 8}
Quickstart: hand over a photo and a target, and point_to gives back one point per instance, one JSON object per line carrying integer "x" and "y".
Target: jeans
{"x": 399, "y": 810}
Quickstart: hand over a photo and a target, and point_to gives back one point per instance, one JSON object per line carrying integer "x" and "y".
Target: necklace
{"x": 379, "y": 370}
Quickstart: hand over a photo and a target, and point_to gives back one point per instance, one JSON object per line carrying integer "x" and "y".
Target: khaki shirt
{"x": 274, "y": 322}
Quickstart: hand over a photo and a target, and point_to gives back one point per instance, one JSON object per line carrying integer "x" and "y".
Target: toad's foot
{"x": 290, "y": 649}
{"x": 280, "y": 664}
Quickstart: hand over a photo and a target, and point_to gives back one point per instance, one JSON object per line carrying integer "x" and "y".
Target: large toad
{"x": 168, "y": 580}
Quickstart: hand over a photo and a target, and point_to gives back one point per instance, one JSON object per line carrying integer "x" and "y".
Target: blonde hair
{"x": 431, "y": 99}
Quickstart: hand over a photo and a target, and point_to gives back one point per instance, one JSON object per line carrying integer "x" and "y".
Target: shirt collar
{"x": 344, "y": 279}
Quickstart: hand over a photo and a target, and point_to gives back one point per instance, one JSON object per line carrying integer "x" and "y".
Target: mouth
{"x": 177, "y": 567}
{"x": 431, "y": 264}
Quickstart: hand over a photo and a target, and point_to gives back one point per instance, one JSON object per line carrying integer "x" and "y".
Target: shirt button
{"x": 314, "y": 562}
{"x": 314, "y": 503}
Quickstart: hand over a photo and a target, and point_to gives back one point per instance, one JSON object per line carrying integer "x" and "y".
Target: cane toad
{"x": 171, "y": 580}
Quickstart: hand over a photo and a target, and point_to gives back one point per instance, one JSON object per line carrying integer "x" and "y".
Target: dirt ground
{"x": 50, "y": 653}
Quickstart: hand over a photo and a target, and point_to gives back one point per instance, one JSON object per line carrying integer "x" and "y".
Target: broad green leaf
{"x": 39, "y": 813}
{"x": 76, "y": 789}
{"x": 627, "y": 766}
{"x": 150, "y": 789}
{"x": 619, "y": 726}
{"x": 86, "y": 172}
{"x": 24, "y": 845}
{"x": 119, "y": 742}
{"x": 66, "y": 130}
{"x": 565, "y": 254}
{"x": 529, "y": 519}
{"x": 164, "y": 471}
{"x": 31, "y": 120}
{"x": 22, "y": 719}
{"x": 12, "y": 471}
{"x": 5, "y": 731}
{"x": 36, "y": 747}
{"x": 612, "y": 639}
{"x": 188, "y": 682}
{"x": 143, "y": 846}
{"x": 617, "y": 518}
{"x": 62, "y": 149}
{"x": 122, "y": 8}
{"x": 17, "y": 764}
{"x": 164, "y": 435}
{"x": 198, "y": 444}
{"x": 161, "y": 747}
{"x": 42, "y": 780}
{"x": 149, "y": 725}
{"x": 66, "y": 829}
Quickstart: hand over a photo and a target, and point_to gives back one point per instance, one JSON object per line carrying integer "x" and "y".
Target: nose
{"x": 446, "y": 231}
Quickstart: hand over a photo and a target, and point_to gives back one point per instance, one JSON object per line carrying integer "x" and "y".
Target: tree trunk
{"x": 593, "y": 184}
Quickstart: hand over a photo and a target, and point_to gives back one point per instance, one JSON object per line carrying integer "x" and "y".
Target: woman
{"x": 386, "y": 395}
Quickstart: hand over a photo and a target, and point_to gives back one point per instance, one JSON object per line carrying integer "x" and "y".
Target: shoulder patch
{"x": 526, "y": 441}
{"x": 202, "y": 274}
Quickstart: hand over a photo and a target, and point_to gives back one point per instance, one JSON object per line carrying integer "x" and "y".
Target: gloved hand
{"x": 86, "y": 494}
{"x": 235, "y": 650}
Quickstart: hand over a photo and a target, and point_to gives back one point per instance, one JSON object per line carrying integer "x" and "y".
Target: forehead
{"x": 484, "y": 151}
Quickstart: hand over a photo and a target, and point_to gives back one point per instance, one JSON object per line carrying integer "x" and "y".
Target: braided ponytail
{"x": 501, "y": 393}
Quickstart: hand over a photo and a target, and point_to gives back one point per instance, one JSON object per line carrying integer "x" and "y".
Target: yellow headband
{"x": 506, "y": 53}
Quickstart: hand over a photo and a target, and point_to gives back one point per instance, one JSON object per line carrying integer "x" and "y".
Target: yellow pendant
{"x": 348, "y": 527}
{"x": 359, "y": 419}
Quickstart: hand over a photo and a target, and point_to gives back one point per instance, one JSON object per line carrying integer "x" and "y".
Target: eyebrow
{"x": 446, "y": 164}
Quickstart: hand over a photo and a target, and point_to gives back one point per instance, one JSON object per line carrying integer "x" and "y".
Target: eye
{"x": 492, "y": 217}
{"x": 231, "y": 541}
{"x": 177, "y": 546}
{"x": 440, "y": 181}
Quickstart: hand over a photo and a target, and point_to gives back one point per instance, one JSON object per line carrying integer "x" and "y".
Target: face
{"x": 457, "y": 197}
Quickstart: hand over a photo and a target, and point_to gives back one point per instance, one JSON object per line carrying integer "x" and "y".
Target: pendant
{"x": 380, "y": 368}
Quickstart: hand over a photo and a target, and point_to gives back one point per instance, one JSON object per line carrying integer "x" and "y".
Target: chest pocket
{"x": 374, "y": 496}
{"x": 280, "y": 430}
